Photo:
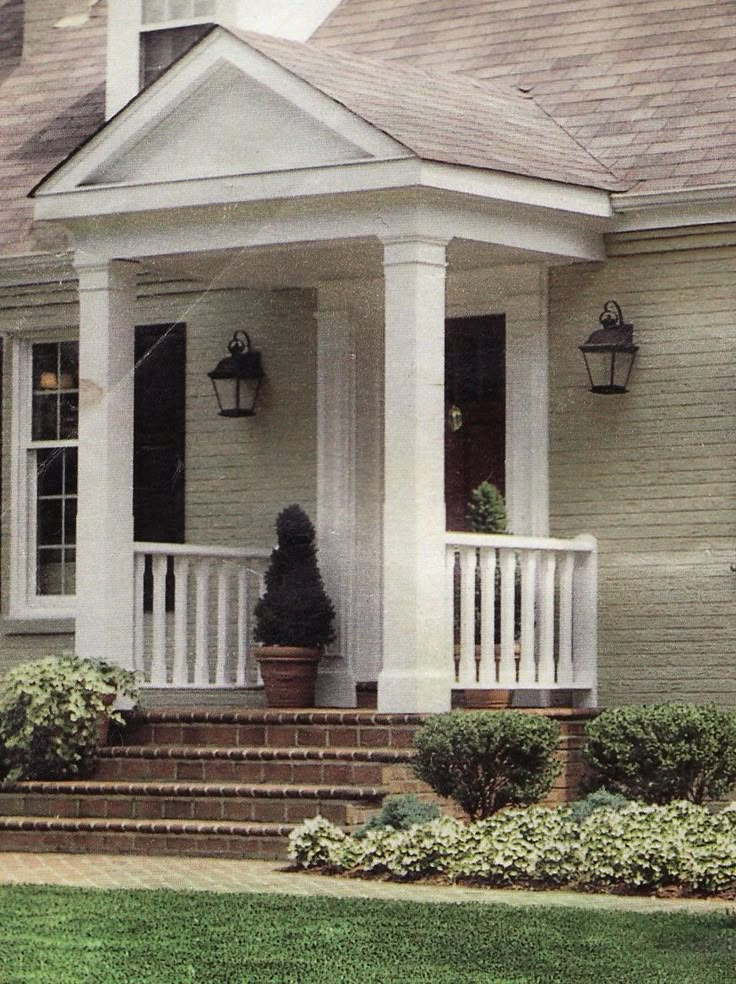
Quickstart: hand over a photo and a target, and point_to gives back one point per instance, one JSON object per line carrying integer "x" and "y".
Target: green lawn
{"x": 74, "y": 936}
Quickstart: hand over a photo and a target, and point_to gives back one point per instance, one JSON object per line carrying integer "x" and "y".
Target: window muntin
{"x": 166, "y": 11}
{"x": 52, "y": 468}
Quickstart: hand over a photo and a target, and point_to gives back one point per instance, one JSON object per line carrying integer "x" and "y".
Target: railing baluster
{"x": 139, "y": 573}
{"x": 488, "y": 618}
{"x": 450, "y": 561}
{"x": 564, "y": 661}
{"x": 467, "y": 617}
{"x": 201, "y": 655}
{"x": 527, "y": 664}
{"x": 546, "y": 668}
{"x": 585, "y": 621}
{"x": 223, "y": 616}
{"x": 158, "y": 660}
{"x": 181, "y": 621}
{"x": 507, "y": 663}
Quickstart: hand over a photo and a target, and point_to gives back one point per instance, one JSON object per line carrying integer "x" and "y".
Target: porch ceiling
{"x": 309, "y": 264}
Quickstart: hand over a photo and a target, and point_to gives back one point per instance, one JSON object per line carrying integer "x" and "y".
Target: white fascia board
{"x": 381, "y": 214}
{"x": 185, "y": 77}
{"x": 674, "y": 209}
{"x": 518, "y": 189}
{"x": 330, "y": 179}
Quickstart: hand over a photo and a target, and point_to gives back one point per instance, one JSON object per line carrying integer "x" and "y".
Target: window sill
{"x": 38, "y": 626}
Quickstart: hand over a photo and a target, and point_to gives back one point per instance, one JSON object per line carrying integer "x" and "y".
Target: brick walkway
{"x": 214, "y": 875}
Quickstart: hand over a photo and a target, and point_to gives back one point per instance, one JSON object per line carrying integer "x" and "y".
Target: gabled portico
{"x": 392, "y": 244}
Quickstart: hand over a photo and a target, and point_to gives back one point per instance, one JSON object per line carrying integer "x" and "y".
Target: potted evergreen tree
{"x": 486, "y": 513}
{"x": 294, "y": 618}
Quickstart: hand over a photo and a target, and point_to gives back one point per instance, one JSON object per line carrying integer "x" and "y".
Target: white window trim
{"x": 24, "y": 603}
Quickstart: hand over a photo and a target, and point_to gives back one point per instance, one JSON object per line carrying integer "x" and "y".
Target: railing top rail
{"x": 192, "y": 550}
{"x": 585, "y": 543}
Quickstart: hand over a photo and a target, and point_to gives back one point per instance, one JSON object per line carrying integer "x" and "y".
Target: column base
{"x": 335, "y": 683}
{"x": 403, "y": 692}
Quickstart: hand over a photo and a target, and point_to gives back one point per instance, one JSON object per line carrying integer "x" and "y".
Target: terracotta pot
{"x": 103, "y": 719}
{"x": 481, "y": 700}
{"x": 289, "y": 674}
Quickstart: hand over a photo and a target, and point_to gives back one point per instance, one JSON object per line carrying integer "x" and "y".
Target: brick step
{"x": 272, "y": 729}
{"x": 304, "y": 765}
{"x": 189, "y": 801}
{"x": 119, "y": 836}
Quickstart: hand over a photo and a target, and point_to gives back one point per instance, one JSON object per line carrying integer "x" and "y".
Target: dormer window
{"x": 168, "y": 29}
{"x": 145, "y": 37}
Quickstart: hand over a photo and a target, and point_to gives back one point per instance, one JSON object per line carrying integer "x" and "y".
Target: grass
{"x": 74, "y": 936}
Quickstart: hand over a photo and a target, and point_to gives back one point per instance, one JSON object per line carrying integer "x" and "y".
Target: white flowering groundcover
{"x": 679, "y": 846}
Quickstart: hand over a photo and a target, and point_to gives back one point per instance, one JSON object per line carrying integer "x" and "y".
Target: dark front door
{"x": 158, "y": 472}
{"x": 475, "y": 384}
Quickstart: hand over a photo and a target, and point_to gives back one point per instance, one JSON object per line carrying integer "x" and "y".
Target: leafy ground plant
{"x": 49, "y": 714}
{"x": 71, "y": 936}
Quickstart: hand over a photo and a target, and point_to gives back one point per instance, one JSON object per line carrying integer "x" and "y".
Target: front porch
{"x": 344, "y": 259}
{"x": 533, "y": 633}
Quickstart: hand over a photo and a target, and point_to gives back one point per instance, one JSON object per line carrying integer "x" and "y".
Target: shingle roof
{"x": 49, "y": 102}
{"x": 648, "y": 86}
{"x": 444, "y": 117}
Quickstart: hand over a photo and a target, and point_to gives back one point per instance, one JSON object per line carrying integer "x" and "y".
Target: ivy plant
{"x": 49, "y": 714}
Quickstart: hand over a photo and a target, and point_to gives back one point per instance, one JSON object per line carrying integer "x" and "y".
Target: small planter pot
{"x": 496, "y": 698}
{"x": 103, "y": 719}
{"x": 289, "y": 674}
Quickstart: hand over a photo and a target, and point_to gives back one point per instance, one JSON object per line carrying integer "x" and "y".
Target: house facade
{"x": 416, "y": 216}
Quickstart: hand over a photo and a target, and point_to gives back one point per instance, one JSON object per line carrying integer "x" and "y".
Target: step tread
{"x": 116, "y": 787}
{"x": 251, "y": 828}
{"x": 203, "y": 715}
{"x": 302, "y": 753}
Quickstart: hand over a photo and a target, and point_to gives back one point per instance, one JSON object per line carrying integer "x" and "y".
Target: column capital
{"x": 94, "y": 273}
{"x": 414, "y": 249}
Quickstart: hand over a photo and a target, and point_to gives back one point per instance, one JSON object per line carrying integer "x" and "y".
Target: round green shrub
{"x": 49, "y": 715}
{"x": 488, "y": 760}
{"x": 664, "y": 752}
{"x": 401, "y": 813}
{"x": 600, "y": 799}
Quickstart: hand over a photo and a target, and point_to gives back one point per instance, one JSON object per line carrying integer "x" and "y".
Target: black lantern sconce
{"x": 237, "y": 378}
{"x": 609, "y": 353}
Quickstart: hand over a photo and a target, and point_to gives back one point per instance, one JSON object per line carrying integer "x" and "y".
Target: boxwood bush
{"x": 640, "y": 848}
{"x": 487, "y": 760}
{"x": 664, "y": 752}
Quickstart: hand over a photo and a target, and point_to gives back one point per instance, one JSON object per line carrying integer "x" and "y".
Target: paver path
{"x": 214, "y": 875}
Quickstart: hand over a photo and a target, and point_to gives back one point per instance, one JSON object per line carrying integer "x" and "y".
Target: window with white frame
{"x": 45, "y": 465}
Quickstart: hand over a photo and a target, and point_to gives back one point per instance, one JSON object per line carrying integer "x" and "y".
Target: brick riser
{"x": 232, "y": 783}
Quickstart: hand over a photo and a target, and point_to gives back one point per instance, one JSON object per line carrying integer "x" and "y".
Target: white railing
{"x": 522, "y": 612}
{"x": 193, "y": 614}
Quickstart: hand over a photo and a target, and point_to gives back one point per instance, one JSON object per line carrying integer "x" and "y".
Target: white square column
{"x": 104, "y": 622}
{"x": 336, "y": 494}
{"x": 417, "y": 669}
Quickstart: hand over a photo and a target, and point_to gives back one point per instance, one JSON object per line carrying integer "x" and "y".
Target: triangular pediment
{"x": 223, "y": 110}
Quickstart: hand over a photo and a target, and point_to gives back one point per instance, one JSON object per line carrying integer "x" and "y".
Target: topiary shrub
{"x": 664, "y": 752}
{"x": 294, "y": 610}
{"x": 401, "y": 813}
{"x": 486, "y": 510}
{"x": 50, "y": 711}
{"x": 487, "y": 760}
